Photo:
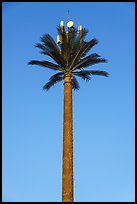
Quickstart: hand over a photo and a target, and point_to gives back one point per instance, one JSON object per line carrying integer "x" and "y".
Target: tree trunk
{"x": 67, "y": 171}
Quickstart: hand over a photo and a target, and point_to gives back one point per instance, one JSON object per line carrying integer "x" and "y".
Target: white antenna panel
{"x": 70, "y": 24}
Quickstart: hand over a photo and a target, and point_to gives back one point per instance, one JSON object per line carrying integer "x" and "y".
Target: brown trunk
{"x": 67, "y": 171}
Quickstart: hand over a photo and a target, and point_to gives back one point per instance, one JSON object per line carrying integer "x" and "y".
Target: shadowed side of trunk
{"x": 67, "y": 171}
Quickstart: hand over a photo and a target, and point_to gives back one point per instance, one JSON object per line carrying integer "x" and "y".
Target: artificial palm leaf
{"x": 52, "y": 81}
{"x": 72, "y": 35}
{"x": 83, "y": 49}
{"x": 59, "y": 74}
{"x": 86, "y": 74}
{"x": 87, "y": 47}
{"x": 69, "y": 56}
{"x": 75, "y": 84}
{"x": 45, "y": 64}
{"x": 79, "y": 39}
{"x": 50, "y": 43}
{"x": 70, "y": 44}
{"x": 52, "y": 54}
{"x": 83, "y": 75}
{"x": 88, "y": 61}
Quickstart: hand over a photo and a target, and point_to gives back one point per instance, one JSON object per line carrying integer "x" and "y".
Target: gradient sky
{"x": 103, "y": 109}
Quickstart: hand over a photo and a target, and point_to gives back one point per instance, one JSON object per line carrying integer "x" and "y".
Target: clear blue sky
{"x": 103, "y": 108}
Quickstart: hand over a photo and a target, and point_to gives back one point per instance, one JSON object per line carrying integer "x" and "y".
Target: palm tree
{"x": 69, "y": 53}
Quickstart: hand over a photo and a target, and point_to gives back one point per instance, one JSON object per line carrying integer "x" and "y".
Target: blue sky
{"x": 103, "y": 109}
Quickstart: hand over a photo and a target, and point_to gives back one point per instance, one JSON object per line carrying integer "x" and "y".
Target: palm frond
{"x": 78, "y": 43}
{"x": 69, "y": 56}
{"x": 52, "y": 54}
{"x": 93, "y": 55}
{"x": 89, "y": 57}
{"x": 53, "y": 80}
{"x": 45, "y": 64}
{"x": 86, "y": 74}
{"x": 71, "y": 43}
{"x": 88, "y": 61}
{"x": 75, "y": 42}
{"x": 49, "y": 42}
{"x": 72, "y": 35}
{"x": 59, "y": 74}
{"x": 98, "y": 72}
{"x": 83, "y": 49}
{"x": 75, "y": 84}
{"x": 83, "y": 75}
{"x": 80, "y": 38}
{"x": 87, "y": 47}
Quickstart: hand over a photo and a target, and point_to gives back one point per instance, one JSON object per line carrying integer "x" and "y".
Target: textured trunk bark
{"x": 67, "y": 170}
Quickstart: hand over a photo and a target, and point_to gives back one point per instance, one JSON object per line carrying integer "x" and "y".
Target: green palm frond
{"x": 69, "y": 55}
{"x": 75, "y": 84}
{"x": 79, "y": 39}
{"x": 53, "y": 80}
{"x": 83, "y": 49}
{"x": 89, "y": 57}
{"x": 71, "y": 43}
{"x": 45, "y": 64}
{"x": 72, "y": 35}
{"x": 75, "y": 40}
{"x": 92, "y": 56}
{"x": 87, "y": 47}
{"x": 83, "y": 75}
{"x": 59, "y": 74}
{"x": 52, "y": 54}
{"x": 77, "y": 45}
{"x": 88, "y": 61}
{"x": 49, "y": 42}
{"x": 86, "y": 74}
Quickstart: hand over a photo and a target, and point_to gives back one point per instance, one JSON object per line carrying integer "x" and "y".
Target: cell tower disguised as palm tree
{"x": 69, "y": 53}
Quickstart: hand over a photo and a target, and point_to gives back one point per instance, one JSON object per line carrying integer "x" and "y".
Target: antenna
{"x": 68, "y": 16}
